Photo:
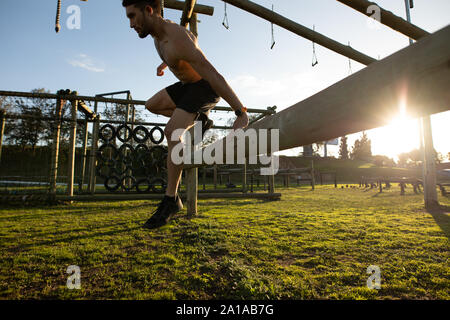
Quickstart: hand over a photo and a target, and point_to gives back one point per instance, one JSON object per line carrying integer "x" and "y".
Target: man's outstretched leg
{"x": 171, "y": 203}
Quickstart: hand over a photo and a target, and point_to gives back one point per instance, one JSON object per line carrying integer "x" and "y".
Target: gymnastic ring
{"x": 129, "y": 134}
{"x": 115, "y": 186}
{"x": 160, "y": 181}
{"x": 111, "y": 171}
{"x": 126, "y": 159}
{"x": 133, "y": 183}
{"x": 136, "y": 131}
{"x": 142, "y": 181}
{"x": 103, "y": 147}
{"x": 153, "y": 139}
{"x": 102, "y": 135}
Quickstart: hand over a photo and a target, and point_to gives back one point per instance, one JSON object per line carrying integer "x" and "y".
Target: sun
{"x": 401, "y": 135}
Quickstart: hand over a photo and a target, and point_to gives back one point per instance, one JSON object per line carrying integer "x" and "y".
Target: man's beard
{"x": 144, "y": 32}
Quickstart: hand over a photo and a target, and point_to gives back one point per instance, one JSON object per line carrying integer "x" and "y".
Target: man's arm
{"x": 188, "y": 51}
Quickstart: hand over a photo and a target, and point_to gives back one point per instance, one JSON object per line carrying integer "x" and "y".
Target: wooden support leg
{"x": 271, "y": 180}
{"x": 83, "y": 158}
{"x": 215, "y": 176}
{"x": 93, "y": 155}
{"x": 192, "y": 188}
{"x": 2, "y": 130}
{"x": 55, "y": 147}
{"x": 73, "y": 137}
{"x": 244, "y": 178}
{"x": 429, "y": 179}
{"x": 204, "y": 178}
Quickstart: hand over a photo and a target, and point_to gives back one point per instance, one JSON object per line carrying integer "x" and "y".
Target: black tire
{"x": 116, "y": 185}
{"x": 124, "y": 183}
{"x": 159, "y": 181}
{"x": 102, "y": 148}
{"x": 126, "y": 159}
{"x": 140, "y": 182}
{"x": 110, "y": 172}
{"x": 129, "y": 133}
{"x": 136, "y": 131}
{"x": 102, "y": 135}
{"x": 153, "y": 139}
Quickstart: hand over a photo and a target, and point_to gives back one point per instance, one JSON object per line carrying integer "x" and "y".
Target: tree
{"x": 362, "y": 149}
{"x": 30, "y": 130}
{"x": 343, "y": 148}
{"x": 383, "y": 161}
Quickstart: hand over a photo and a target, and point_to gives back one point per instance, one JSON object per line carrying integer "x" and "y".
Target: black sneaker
{"x": 207, "y": 123}
{"x": 167, "y": 208}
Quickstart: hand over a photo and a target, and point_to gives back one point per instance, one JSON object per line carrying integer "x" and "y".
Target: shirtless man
{"x": 198, "y": 91}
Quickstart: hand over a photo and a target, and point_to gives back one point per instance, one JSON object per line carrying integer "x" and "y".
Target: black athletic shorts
{"x": 197, "y": 97}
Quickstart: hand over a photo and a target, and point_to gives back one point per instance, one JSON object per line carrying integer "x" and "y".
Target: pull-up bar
{"x": 301, "y": 30}
{"x": 388, "y": 18}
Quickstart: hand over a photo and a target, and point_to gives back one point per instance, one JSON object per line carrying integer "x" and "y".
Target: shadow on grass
{"x": 442, "y": 218}
{"x": 234, "y": 202}
{"x": 70, "y": 239}
{"x": 72, "y": 210}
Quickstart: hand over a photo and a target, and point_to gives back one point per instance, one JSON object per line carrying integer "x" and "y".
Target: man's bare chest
{"x": 164, "y": 50}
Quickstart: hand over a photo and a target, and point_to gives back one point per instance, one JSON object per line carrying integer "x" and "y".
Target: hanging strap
{"x": 273, "y": 36}
{"x": 349, "y": 63}
{"x": 225, "y": 18}
{"x": 314, "y": 58}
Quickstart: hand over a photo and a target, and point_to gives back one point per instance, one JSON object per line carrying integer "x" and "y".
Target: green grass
{"x": 308, "y": 245}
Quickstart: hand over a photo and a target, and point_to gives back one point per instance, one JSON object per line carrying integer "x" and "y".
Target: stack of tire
{"x": 126, "y": 162}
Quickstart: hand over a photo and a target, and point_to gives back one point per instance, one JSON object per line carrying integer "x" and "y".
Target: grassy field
{"x": 308, "y": 245}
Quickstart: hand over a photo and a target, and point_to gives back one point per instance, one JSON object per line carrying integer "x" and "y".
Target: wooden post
{"x": 313, "y": 179}
{"x": 204, "y": 178}
{"x": 193, "y": 26}
{"x": 271, "y": 182}
{"x": 191, "y": 181}
{"x": 93, "y": 154}
{"x": 335, "y": 180}
{"x": 192, "y": 188}
{"x": 55, "y": 148}
{"x": 72, "y": 146}
{"x": 244, "y": 178}
{"x": 2, "y": 130}
{"x": 429, "y": 165}
{"x": 84, "y": 156}
{"x": 215, "y": 176}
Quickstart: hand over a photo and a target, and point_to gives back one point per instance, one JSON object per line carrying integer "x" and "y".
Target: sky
{"x": 105, "y": 55}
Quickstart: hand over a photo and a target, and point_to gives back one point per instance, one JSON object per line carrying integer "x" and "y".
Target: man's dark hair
{"x": 141, "y": 4}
